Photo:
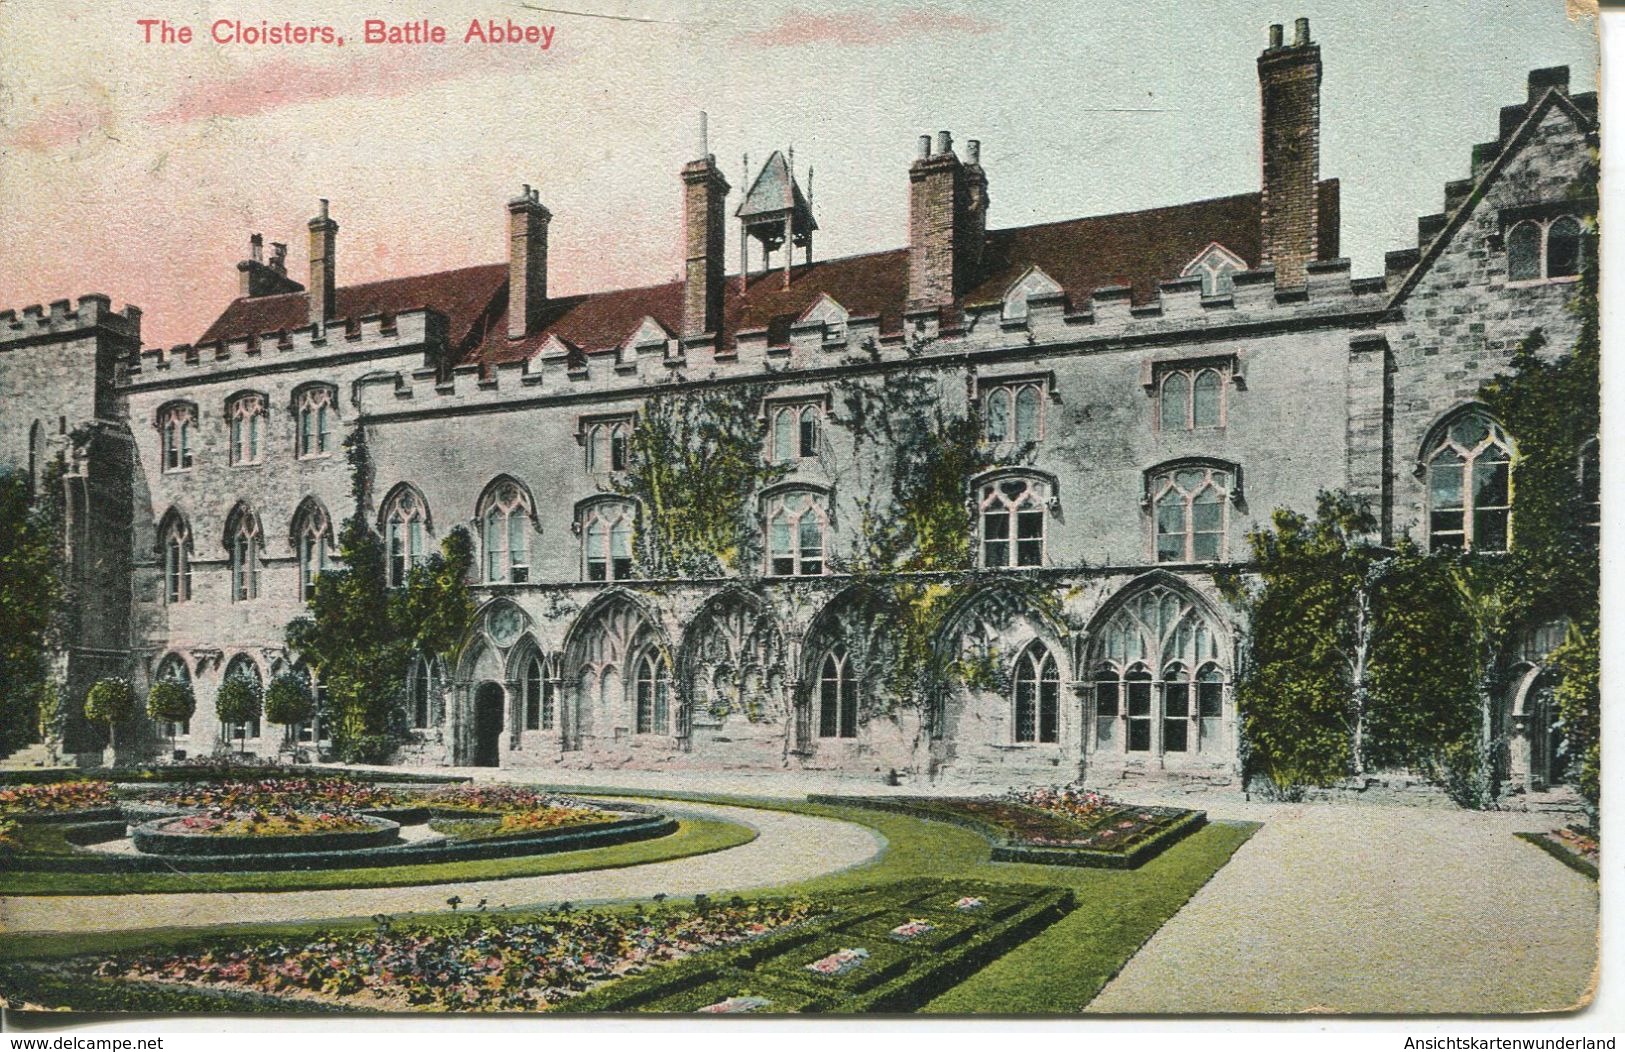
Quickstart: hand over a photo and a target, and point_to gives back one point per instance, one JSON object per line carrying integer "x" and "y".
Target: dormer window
{"x": 246, "y": 415}
{"x": 1217, "y": 267}
{"x": 831, "y": 314}
{"x": 177, "y": 424}
{"x": 1031, "y": 285}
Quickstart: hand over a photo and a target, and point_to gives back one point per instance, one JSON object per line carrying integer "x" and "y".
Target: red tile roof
{"x": 1137, "y": 249}
{"x": 467, "y": 297}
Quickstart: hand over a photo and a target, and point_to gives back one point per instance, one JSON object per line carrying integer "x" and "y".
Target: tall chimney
{"x": 947, "y": 221}
{"x": 256, "y": 277}
{"x": 323, "y": 232}
{"x": 527, "y": 261}
{"x": 705, "y": 192}
{"x": 1289, "y": 86}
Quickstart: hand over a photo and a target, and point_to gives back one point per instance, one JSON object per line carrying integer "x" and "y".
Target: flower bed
{"x": 8, "y": 836}
{"x": 28, "y": 801}
{"x": 227, "y": 833}
{"x": 1575, "y": 846}
{"x": 482, "y": 964}
{"x": 486, "y": 799}
{"x": 330, "y": 793}
{"x": 524, "y": 823}
{"x": 1056, "y": 826}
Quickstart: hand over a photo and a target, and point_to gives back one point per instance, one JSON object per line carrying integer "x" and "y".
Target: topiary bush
{"x": 288, "y": 702}
{"x": 239, "y": 702}
{"x": 171, "y": 702}
{"x": 109, "y": 701}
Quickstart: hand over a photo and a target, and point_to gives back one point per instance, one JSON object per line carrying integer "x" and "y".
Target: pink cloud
{"x": 60, "y": 125}
{"x": 860, "y": 28}
{"x": 280, "y": 82}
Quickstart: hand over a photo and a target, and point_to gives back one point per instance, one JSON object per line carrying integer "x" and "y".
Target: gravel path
{"x": 788, "y": 847}
{"x": 1374, "y": 910}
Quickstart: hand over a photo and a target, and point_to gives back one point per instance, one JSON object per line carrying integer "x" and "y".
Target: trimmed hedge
{"x": 568, "y": 838}
{"x": 897, "y": 977}
{"x": 151, "y": 838}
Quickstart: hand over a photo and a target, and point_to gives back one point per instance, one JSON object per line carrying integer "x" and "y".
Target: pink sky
{"x": 139, "y": 170}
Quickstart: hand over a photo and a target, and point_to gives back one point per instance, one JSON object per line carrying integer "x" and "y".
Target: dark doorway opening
{"x": 488, "y": 702}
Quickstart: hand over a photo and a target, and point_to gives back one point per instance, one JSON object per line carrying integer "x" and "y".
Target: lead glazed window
{"x": 1192, "y": 397}
{"x": 1190, "y": 512}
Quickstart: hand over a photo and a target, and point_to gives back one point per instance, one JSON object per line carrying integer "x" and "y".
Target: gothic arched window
{"x": 797, "y": 521}
{"x": 608, "y": 445}
{"x": 406, "y": 518}
{"x": 1563, "y": 247}
{"x": 177, "y": 546}
{"x": 1190, "y": 513}
{"x": 1523, "y": 251}
{"x": 313, "y": 536}
{"x": 537, "y": 688}
{"x": 314, "y": 415}
{"x": 795, "y": 432}
{"x": 1470, "y": 486}
{"x": 245, "y": 414}
{"x": 177, "y": 423}
{"x": 1012, "y": 511}
{"x": 244, "y": 544}
{"x": 653, "y": 695}
{"x": 1013, "y": 412}
{"x": 1037, "y": 696}
{"x": 837, "y": 696}
{"x": 506, "y": 533}
{"x": 606, "y": 540}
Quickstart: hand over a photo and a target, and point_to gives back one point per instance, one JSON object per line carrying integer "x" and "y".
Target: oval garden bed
{"x": 193, "y": 835}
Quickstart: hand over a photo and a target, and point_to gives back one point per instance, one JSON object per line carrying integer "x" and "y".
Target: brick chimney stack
{"x": 256, "y": 277}
{"x": 323, "y": 233}
{"x": 705, "y": 192}
{"x": 1289, "y": 86}
{"x": 947, "y": 221}
{"x": 527, "y": 262}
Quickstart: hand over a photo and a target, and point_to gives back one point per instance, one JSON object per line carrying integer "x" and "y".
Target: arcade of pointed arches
{"x": 1148, "y": 683}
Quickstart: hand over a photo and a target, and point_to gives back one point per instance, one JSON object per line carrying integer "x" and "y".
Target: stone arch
{"x": 601, "y": 650}
{"x": 985, "y": 636}
{"x": 732, "y": 667}
{"x": 847, "y": 623}
{"x": 1159, "y": 664}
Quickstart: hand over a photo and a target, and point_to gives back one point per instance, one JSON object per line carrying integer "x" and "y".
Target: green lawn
{"x": 1057, "y": 971}
{"x": 694, "y": 836}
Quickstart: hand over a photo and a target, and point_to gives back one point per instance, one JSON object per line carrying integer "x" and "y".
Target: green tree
{"x": 110, "y": 701}
{"x": 1577, "y": 666}
{"x": 34, "y": 607}
{"x": 695, "y": 467}
{"x": 171, "y": 702}
{"x": 238, "y": 702}
{"x": 288, "y": 703}
{"x": 361, "y": 635}
{"x": 1304, "y": 690}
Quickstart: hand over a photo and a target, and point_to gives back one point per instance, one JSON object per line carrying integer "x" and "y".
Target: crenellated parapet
{"x": 38, "y": 323}
{"x": 348, "y": 339}
{"x": 818, "y": 350}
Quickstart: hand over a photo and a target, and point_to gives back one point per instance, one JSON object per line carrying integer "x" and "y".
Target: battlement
{"x": 37, "y": 323}
{"x": 812, "y": 351}
{"x": 364, "y": 336}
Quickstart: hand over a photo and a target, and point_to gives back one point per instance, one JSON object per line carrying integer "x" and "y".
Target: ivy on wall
{"x": 361, "y": 635}
{"x": 36, "y": 608}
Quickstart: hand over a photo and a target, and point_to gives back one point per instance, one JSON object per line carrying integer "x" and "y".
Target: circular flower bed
{"x": 259, "y": 833}
{"x": 55, "y": 798}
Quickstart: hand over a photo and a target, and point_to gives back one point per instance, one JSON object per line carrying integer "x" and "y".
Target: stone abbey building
{"x": 1170, "y": 377}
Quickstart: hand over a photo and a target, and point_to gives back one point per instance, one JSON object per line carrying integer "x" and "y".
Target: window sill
{"x": 1535, "y": 282}
{"x": 1026, "y": 746}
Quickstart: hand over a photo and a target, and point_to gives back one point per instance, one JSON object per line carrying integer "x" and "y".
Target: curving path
{"x": 788, "y": 847}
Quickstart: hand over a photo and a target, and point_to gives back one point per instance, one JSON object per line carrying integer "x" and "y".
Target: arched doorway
{"x": 489, "y": 700}
{"x": 1548, "y": 745}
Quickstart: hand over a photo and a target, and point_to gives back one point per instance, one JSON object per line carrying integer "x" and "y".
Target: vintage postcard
{"x": 666, "y": 506}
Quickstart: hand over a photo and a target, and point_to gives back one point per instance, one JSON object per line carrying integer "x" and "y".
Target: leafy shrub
{"x": 238, "y": 702}
{"x": 109, "y": 701}
{"x": 171, "y": 702}
{"x": 288, "y": 701}
{"x": 368, "y": 748}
